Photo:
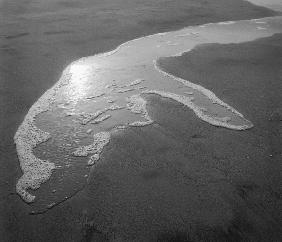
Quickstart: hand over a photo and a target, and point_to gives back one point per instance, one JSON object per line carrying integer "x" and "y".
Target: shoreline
{"x": 31, "y": 65}
{"x": 173, "y": 65}
{"x": 33, "y": 179}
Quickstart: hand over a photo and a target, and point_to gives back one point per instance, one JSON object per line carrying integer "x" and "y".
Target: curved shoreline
{"x": 28, "y": 136}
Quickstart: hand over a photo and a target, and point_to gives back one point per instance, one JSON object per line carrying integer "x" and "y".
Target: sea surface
{"x": 63, "y": 135}
{"x": 68, "y": 127}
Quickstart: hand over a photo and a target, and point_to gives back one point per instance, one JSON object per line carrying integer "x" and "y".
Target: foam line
{"x": 27, "y": 137}
{"x": 200, "y": 113}
{"x": 209, "y": 94}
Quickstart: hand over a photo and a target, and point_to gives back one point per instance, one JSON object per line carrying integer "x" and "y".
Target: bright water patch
{"x": 100, "y": 94}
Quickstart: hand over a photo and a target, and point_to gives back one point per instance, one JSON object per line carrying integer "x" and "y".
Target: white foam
{"x": 226, "y": 23}
{"x": 115, "y": 107}
{"x": 200, "y": 112}
{"x": 137, "y": 104}
{"x": 141, "y": 87}
{"x": 101, "y": 119}
{"x": 93, "y": 159}
{"x": 136, "y": 82}
{"x": 96, "y": 96}
{"x": 27, "y": 137}
{"x": 125, "y": 90}
{"x": 209, "y": 94}
{"x": 100, "y": 140}
{"x": 85, "y": 118}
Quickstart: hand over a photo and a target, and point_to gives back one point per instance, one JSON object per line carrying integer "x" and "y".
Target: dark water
{"x": 37, "y": 40}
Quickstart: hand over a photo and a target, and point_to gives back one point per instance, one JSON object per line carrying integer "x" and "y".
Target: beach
{"x": 118, "y": 200}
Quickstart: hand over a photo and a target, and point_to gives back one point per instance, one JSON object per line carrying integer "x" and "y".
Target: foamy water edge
{"x": 28, "y": 136}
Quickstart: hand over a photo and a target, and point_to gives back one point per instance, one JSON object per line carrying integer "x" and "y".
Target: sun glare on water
{"x": 80, "y": 80}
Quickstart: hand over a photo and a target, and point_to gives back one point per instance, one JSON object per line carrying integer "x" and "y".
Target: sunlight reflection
{"x": 80, "y": 80}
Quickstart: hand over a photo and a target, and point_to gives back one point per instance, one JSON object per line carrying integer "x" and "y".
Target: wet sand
{"x": 32, "y": 57}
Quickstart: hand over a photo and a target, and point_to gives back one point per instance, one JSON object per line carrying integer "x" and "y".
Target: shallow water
{"x": 115, "y": 84}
